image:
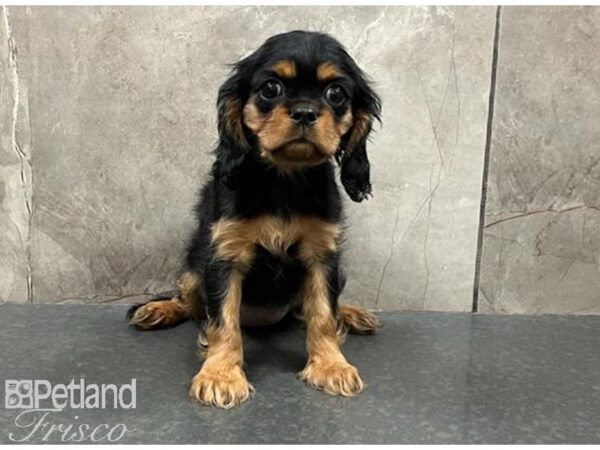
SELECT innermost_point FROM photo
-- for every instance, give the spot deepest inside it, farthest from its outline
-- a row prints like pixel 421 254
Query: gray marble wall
pixel 107 121
pixel 541 251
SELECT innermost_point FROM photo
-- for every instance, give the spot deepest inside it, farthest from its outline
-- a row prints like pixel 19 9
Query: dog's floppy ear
pixel 233 142
pixel 353 160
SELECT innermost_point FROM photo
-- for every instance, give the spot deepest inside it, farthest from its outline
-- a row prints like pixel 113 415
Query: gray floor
pixel 431 378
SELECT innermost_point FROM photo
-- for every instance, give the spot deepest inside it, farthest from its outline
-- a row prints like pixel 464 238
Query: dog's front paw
pixel 222 387
pixel 335 378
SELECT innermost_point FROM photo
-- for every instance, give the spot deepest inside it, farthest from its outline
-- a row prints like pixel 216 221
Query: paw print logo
pixel 18 394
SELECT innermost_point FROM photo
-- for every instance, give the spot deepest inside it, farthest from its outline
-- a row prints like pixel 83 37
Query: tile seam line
pixel 486 159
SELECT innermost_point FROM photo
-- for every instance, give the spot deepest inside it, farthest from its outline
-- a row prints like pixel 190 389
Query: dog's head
pixel 297 101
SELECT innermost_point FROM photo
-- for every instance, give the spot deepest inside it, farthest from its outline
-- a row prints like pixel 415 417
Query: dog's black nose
pixel 303 115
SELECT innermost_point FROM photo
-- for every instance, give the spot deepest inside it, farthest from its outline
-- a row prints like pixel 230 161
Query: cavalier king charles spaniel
pixel 270 220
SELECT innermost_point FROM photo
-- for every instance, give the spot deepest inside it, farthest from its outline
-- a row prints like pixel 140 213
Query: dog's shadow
pixel 279 347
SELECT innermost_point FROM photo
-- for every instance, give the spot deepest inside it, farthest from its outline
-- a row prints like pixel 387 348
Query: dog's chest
pixel 310 238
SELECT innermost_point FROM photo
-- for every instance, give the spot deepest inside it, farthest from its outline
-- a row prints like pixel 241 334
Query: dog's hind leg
pixel 355 320
pixel 165 312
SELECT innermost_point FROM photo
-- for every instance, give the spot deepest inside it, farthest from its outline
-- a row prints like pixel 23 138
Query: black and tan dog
pixel 270 216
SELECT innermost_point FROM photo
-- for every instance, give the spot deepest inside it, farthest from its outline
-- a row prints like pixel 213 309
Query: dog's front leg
pixel 221 381
pixel 327 368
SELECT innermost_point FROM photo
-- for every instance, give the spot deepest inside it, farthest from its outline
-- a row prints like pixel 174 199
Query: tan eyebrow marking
pixel 327 71
pixel 285 68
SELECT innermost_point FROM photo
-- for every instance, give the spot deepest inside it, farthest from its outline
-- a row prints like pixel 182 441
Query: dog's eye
pixel 335 95
pixel 271 89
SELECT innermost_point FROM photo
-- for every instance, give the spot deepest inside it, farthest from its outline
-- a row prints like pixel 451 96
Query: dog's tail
pixel 355 320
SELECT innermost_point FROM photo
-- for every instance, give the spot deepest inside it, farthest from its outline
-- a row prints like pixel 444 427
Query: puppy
pixel 270 215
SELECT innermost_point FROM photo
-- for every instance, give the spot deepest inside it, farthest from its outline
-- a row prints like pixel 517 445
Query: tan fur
pixel 362 126
pixel 170 312
pixel 294 156
pixel 233 116
pixel 327 133
pixel 232 245
pixel 327 71
pixel 221 380
pixel 280 139
pixel 345 123
pixel 252 116
pixel 277 130
pixel 285 68
pixel 356 320
pixel 235 239
pixel 160 314
pixel 327 368
pixel 189 285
